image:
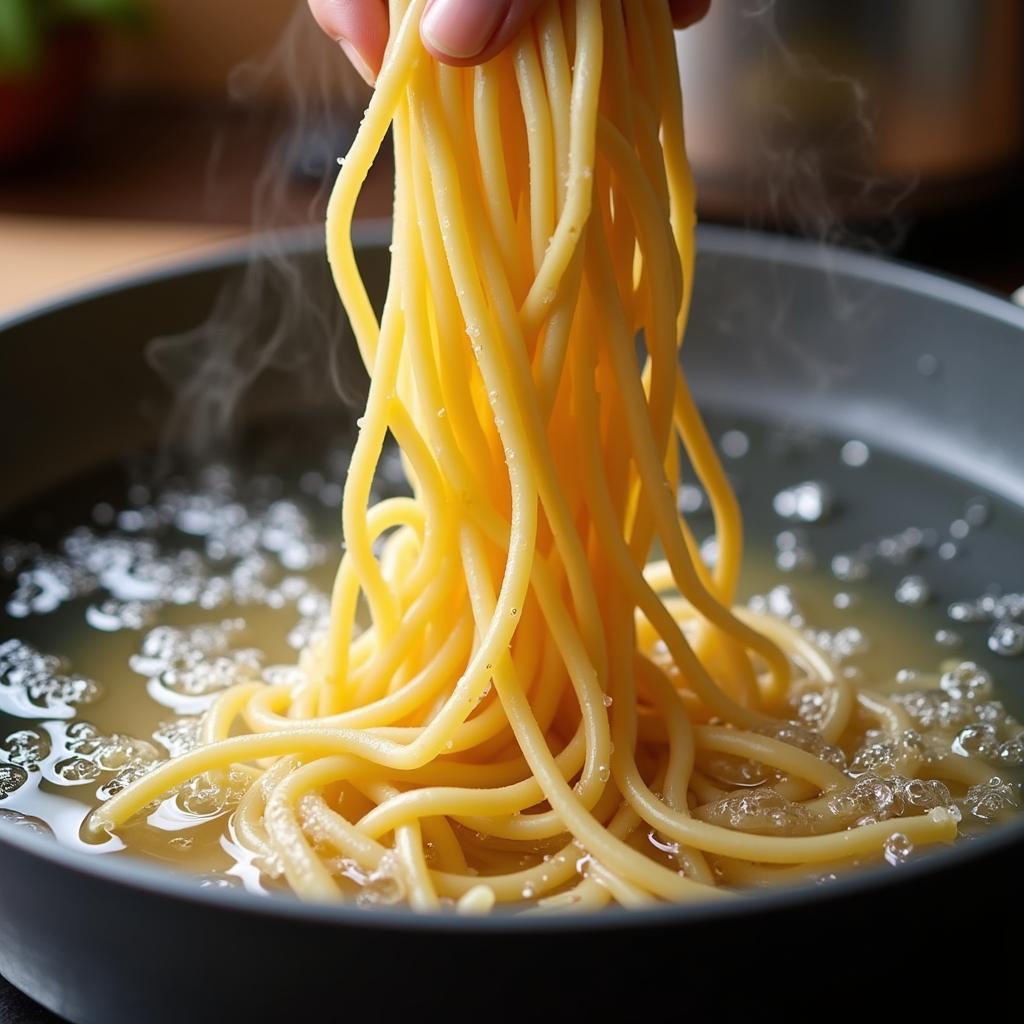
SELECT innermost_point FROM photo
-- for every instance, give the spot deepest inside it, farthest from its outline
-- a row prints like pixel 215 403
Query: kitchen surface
pixel 196 123
pixel 207 122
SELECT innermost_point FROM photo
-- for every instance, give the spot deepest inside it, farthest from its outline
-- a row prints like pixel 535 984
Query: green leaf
pixel 20 35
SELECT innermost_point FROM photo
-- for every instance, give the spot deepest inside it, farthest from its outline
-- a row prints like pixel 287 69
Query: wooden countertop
pixel 135 184
pixel 42 257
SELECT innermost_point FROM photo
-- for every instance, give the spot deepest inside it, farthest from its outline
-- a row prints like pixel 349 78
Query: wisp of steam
pixel 273 314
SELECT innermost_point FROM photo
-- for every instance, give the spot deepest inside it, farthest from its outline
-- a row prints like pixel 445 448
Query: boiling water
pixel 128 605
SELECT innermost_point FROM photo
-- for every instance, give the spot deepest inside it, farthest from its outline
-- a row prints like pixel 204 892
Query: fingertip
pixel 359 27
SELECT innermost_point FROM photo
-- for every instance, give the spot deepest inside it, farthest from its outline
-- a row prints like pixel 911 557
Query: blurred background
pixel 132 131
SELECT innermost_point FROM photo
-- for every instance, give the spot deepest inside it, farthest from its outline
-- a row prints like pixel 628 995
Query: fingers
pixel 686 12
pixel 459 32
pixel 359 27
pixel 463 32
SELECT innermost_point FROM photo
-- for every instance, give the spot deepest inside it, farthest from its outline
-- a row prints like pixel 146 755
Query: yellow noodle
pixel 519 722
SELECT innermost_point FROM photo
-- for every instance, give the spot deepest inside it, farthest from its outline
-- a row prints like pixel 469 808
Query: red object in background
pixel 35 106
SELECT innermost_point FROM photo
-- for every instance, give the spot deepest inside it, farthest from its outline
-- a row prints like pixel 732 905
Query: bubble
pixel 843 600
pixel 26 823
pixel 26 747
pixel 75 771
pixel 709 551
pixel 843 644
pixel 807 502
pixel 47 583
pixel 780 602
pixel 810 707
pixel 967 681
pixel 734 444
pixel 797 735
pixel 178 736
pixel 959 528
pixel 131 772
pixel 947 638
pixel 925 794
pixel 977 740
pixel 198 660
pixel 927 364
pixel 31 681
pixel 935 710
pixel 913 591
pixel 217 882
pixel 792 554
pixel 691 500
pixel 964 611
pixel 869 797
pixel 875 756
pixel 1011 752
pixel 213 793
pixel 762 811
pixel 988 800
pixel 948 551
pixel 12 778
pixel 849 568
pixel 113 615
pixel 118 751
pixel 855 453
pixel 1007 639
pixel 384 886
pixel 978 511
pixel 897 849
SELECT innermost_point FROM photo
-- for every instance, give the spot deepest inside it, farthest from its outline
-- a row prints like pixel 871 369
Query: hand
pixel 457 32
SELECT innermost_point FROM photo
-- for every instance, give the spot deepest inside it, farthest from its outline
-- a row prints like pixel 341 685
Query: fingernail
pixel 462 29
pixel 357 61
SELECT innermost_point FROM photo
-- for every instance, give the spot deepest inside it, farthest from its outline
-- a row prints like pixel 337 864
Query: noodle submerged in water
pixel 535 712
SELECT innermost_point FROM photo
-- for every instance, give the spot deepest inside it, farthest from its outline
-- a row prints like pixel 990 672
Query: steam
pixel 799 137
pixel 812 173
pixel 276 313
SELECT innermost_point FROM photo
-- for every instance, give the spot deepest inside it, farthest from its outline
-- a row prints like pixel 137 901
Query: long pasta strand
pixel 535 712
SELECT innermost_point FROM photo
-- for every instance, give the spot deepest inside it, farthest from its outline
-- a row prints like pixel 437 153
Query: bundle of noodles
pixel 534 713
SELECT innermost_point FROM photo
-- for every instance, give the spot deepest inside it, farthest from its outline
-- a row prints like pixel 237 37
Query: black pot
pixel 782 331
